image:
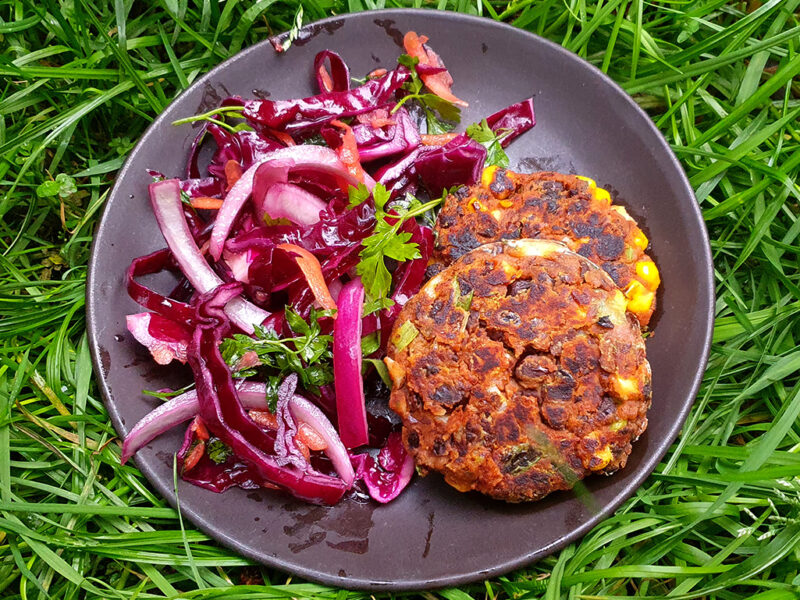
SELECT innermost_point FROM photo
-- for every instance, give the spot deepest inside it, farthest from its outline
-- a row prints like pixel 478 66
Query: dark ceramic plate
pixel 431 536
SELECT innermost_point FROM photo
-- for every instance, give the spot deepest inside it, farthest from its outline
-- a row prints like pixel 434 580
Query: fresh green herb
pixel 387 241
pixel 168 394
pixel 405 335
pixel 380 368
pixel 357 195
pixel 218 451
pixel 377 305
pixel 370 343
pixel 308 354
pixel 483 134
pixel 211 117
pixel 440 115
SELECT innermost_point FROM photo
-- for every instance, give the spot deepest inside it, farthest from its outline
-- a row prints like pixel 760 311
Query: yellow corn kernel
pixel 642 303
pixel 626 387
pixel 487 177
pixel 506 203
pixel 601 458
pixel 475 205
pixel 640 239
pixel 591 182
pixel 635 289
pixel 620 210
pixel 648 273
pixel 602 195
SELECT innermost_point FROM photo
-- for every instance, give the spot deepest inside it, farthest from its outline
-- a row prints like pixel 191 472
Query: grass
pixel 79 82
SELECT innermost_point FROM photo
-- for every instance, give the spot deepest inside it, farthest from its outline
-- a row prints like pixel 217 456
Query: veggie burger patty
pixel 517 371
pixel 567 208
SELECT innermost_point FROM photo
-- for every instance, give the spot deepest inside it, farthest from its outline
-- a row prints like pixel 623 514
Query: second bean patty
pixel 553 206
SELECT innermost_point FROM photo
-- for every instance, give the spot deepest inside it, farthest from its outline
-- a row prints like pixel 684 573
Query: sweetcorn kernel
pixel 640 239
pixel 590 181
pixel 488 176
pixel 475 205
pixel 506 203
pixel 635 289
pixel 641 303
pixel 622 212
pixel 648 273
pixel 601 458
pixel 602 195
pixel 625 387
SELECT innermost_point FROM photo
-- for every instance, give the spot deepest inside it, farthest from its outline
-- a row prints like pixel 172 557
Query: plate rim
pixel 649 463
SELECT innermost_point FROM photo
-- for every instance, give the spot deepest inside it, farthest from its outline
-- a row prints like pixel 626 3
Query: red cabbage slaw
pixel 273 311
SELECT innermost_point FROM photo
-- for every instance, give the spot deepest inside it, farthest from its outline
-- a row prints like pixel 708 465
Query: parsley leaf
pixel 218 451
pixel 357 195
pixel 308 354
pixel 492 141
pixel 387 241
pixel 440 115
pixel 377 305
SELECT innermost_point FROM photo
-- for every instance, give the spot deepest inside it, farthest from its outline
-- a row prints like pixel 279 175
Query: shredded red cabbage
pixel 335 79
pixel 387 476
pixel 459 162
pixel 225 417
pixel 515 119
pixel 308 113
pixel 284 175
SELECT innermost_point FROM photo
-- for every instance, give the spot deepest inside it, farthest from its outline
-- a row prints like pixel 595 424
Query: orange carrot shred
pixel 302 447
pixel 206 203
pixel 309 436
pixel 264 418
pixel 438 83
pixel 380 72
pixel 312 271
pixel 194 456
pixel 348 151
pixel 327 82
pixel 200 429
pixel 283 137
pixel 437 140
pixel 233 171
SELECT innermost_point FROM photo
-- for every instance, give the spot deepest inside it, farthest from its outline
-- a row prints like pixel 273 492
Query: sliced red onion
pixel 253 397
pixel 350 408
pixel 289 201
pixel 306 157
pixel 165 339
pixel 239 264
pixel 165 197
pixel 306 412
pixel 334 287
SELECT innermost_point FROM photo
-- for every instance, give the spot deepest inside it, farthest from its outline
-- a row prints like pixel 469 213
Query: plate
pixel 431 536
